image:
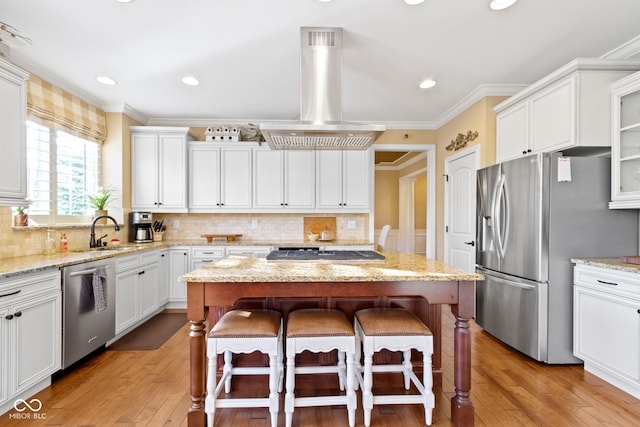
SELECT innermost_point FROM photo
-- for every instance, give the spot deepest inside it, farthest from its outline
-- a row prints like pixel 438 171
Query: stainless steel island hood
pixel 320 125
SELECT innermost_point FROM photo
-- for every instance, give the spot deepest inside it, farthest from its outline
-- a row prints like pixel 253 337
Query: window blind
pixel 51 106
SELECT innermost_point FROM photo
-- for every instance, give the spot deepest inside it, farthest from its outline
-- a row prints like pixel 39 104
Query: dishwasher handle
pixel 82 272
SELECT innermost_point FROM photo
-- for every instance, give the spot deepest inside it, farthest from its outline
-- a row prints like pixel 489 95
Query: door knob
pixel 471 243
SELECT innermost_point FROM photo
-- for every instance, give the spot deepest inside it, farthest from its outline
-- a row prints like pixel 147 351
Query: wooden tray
pixel 229 237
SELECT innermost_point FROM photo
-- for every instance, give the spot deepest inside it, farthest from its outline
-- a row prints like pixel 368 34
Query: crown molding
pixel 126 110
pixel 626 50
pixel 480 92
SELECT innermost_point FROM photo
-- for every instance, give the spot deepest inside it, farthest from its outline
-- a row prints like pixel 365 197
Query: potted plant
pixel 21 219
pixel 99 201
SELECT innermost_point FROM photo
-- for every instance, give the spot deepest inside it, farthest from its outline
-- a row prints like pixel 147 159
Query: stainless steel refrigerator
pixel 533 215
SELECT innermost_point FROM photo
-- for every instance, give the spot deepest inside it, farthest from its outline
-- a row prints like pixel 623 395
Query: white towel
pixel 99 289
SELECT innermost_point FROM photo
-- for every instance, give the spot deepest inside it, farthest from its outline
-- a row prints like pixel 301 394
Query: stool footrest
pixel 320 401
pixel 316 369
pixel 253 402
pixel 398 399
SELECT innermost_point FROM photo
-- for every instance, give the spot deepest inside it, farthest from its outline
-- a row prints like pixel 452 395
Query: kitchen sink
pixel 111 249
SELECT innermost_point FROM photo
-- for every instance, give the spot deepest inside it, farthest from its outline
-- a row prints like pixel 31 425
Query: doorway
pixel 405 234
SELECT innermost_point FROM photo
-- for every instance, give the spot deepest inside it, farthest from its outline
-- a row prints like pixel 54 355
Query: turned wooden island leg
pixel 196 313
pixel 462 411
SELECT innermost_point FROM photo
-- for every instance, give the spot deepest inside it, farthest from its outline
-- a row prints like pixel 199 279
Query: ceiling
pixel 246 53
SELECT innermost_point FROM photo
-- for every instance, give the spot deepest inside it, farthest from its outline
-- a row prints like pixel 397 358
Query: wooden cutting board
pixel 317 224
pixel 229 237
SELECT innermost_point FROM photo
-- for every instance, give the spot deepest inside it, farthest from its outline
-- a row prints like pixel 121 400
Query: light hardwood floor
pixel 151 388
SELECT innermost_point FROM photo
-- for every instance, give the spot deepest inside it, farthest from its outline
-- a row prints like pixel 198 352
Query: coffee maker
pixel 140 227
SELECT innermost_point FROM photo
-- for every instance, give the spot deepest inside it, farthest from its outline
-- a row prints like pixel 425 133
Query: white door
pixel 460 209
pixel 235 178
pixel 172 166
pixel 204 178
pixel 267 178
pixel 300 179
pixel 144 172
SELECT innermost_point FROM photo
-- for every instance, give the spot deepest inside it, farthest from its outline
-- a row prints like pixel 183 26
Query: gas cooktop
pixel 305 254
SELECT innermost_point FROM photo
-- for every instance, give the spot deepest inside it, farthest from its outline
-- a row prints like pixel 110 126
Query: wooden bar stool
pixel 394 329
pixel 245 331
pixel 320 331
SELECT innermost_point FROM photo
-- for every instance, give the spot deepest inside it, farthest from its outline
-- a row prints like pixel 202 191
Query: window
pixel 61 170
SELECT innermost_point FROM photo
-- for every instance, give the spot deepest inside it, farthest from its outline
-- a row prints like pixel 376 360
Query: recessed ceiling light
pixel 428 83
pixel 124 1
pixel 191 81
pixel 413 2
pixel 324 1
pixel 106 80
pixel 501 4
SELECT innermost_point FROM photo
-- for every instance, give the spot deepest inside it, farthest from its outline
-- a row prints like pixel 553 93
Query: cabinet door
pixel 126 300
pixel 178 265
pixel 512 128
pixel 172 165
pixel 144 171
pixel 299 179
pixel 38 337
pixel 355 172
pixel 329 179
pixel 163 277
pixel 204 178
pixel 4 355
pixel 148 288
pixel 13 173
pixel 607 331
pixel 235 179
pixel 268 178
pixel 553 117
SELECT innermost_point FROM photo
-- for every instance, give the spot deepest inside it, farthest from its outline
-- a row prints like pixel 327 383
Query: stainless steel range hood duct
pixel 320 125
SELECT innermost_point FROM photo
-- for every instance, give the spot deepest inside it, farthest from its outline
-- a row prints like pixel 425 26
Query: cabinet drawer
pixel 149 257
pixel 127 262
pixel 257 251
pixel 207 252
pixel 607 280
pixel 29 284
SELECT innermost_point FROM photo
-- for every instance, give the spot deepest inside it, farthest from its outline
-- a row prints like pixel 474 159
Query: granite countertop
pixel 611 263
pixel 396 267
pixel 32 263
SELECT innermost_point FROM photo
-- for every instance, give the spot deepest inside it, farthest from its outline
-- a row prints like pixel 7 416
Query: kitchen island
pixel 216 288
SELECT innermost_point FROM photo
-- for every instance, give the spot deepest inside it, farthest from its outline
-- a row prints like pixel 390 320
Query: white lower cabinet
pixel 137 283
pixel 30 334
pixel 178 267
pixel 163 277
pixel 607 325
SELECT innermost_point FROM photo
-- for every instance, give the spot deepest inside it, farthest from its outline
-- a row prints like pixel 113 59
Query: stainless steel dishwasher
pixel 89 312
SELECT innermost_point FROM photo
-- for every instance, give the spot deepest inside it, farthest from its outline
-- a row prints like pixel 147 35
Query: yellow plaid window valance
pixel 51 106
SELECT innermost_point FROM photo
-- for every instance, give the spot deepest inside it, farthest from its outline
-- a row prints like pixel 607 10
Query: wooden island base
pixel 403 280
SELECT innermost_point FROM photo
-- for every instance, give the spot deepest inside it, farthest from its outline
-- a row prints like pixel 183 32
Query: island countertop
pixel 396 267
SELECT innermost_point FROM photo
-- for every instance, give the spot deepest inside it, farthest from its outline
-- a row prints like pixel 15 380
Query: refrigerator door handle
pixel 496 277
pixel 501 222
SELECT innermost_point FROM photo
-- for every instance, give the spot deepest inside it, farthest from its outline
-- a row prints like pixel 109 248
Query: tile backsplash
pixel 268 227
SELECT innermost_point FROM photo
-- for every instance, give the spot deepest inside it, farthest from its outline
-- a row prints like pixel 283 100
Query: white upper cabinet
pixel 568 108
pixel 625 150
pixel 219 177
pixel 283 179
pixel 159 169
pixel 343 180
pixel 13 111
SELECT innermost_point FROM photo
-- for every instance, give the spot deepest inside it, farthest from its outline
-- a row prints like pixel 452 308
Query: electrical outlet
pixel 254 224
pixel 351 225
pixel 176 223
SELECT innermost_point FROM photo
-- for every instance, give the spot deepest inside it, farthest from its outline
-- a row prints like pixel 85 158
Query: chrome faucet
pixel 92 242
